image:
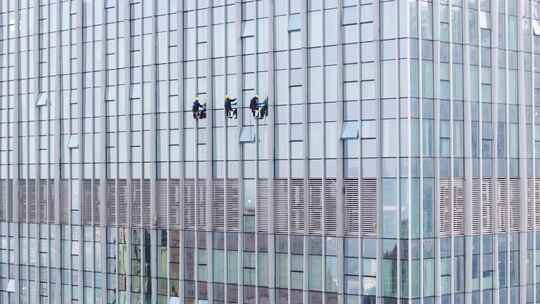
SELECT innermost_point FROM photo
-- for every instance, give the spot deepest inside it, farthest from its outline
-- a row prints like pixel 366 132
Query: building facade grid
pixel 398 163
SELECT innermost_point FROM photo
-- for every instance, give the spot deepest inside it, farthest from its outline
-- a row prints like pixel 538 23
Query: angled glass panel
pixel 295 23
pixel 73 142
pixel 10 286
pixel 248 29
pixel 536 28
pixel 42 100
pixel 247 135
pixel 349 130
pixel 484 20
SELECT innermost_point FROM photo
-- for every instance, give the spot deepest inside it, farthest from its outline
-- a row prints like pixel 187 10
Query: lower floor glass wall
pixel 88 264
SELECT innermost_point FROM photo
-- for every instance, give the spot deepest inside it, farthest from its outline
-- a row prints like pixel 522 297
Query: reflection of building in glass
pixel 397 162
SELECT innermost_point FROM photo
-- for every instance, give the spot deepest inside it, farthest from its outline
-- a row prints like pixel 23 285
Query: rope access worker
pixel 202 113
pixel 263 109
pixel 253 105
pixel 198 109
pixel 230 112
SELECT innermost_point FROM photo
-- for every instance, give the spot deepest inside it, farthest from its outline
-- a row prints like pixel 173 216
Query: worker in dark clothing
pixel 202 114
pixel 230 112
pixel 263 108
pixel 196 108
pixel 253 105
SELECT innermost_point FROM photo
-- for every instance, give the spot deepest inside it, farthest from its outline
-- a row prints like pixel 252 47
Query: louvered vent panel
pixel 65 202
pixel 445 208
pixel 201 204
pixel 161 201
pixel 42 201
pixel 537 200
pixel 136 204
pixel 189 204
pixel 22 200
pixel 123 197
pixel 487 205
pixel 10 194
pixel 5 186
pixel 32 202
pixel 502 205
pixel 174 203
pixel 459 207
pixel 146 203
pixel 87 202
pixel 352 206
pixel 297 213
pixel 50 203
pixel 530 204
pixel 232 215
pixel 368 205
pixel 218 204
pixel 476 206
pixel 330 207
pixel 110 196
pixel 3 200
pixel 281 208
pixel 515 206
pixel 263 206
pixel 42 196
pixel 315 209
pixel 97 201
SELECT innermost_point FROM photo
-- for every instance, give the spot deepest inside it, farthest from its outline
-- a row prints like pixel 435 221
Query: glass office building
pixel 398 163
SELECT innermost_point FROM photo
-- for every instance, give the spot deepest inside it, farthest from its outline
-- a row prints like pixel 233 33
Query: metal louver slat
pixel 161 201
pixel 146 215
pixel 65 202
pixel 111 202
pixel 136 204
pixel 174 203
pixel 218 204
pixel 530 204
pixel 87 202
pixel 537 200
pixel 330 207
pixel 122 204
pixel 476 206
pixel 263 206
pixel 22 200
pixel 42 201
pixel 281 216
pixel 3 200
pixel 368 205
pixel 51 206
pixel 315 209
pixel 233 204
pixel 189 204
pixel 297 206
pixel 201 204
pixel 487 205
pixel 515 208
pixel 32 202
pixel 445 207
pixel 352 206
pixel 96 201
pixel 502 205
pixel 458 217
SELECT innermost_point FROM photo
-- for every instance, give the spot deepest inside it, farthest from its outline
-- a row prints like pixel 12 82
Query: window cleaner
pixel 202 114
pixel 253 105
pixel 230 112
pixel 259 109
pixel 263 109
pixel 198 109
